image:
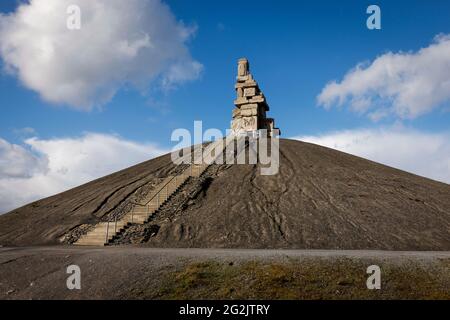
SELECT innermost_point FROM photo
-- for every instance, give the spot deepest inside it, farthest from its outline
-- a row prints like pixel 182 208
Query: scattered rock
pixel 188 196
pixel 343 283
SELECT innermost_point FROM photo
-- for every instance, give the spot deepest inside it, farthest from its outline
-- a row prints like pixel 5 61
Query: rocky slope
pixel 321 199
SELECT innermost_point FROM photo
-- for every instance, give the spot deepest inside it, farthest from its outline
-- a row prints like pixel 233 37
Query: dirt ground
pixel 321 199
pixel 129 272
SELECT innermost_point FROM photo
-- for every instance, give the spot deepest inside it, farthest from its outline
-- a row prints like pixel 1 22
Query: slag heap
pixel 249 115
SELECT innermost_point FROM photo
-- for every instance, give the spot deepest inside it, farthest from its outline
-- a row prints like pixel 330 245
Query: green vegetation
pixel 303 279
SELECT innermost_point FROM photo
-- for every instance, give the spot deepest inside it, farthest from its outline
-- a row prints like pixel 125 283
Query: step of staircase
pixel 104 232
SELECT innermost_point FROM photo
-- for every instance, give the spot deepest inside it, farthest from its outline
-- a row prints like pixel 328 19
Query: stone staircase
pixel 104 232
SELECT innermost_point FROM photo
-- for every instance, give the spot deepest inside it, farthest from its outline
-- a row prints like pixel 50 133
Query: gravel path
pixel 123 272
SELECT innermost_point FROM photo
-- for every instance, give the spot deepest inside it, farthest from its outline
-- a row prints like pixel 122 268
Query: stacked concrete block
pixel 249 115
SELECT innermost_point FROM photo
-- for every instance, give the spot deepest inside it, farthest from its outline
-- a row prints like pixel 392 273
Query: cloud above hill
pixel 120 43
pixel 404 85
pixel 43 167
pixel 17 162
pixel 422 153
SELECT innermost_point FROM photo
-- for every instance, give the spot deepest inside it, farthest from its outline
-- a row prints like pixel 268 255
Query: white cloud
pixel 46 167
pixel 17 162
pixel 181 72
pixel 425 154
pixel 26 131
pixel 120 42
pixel 406 85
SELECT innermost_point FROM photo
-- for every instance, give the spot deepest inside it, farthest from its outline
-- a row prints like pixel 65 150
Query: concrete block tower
pixel 249 114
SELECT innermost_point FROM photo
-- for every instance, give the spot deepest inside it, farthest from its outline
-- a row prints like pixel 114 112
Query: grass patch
pixel 306 279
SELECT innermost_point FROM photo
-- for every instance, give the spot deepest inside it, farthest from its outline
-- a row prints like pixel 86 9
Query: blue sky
pixel 295 49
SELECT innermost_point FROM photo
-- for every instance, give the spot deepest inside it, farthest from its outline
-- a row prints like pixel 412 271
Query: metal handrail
pixel 107 231
pixel 157 194
pixel 184 176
